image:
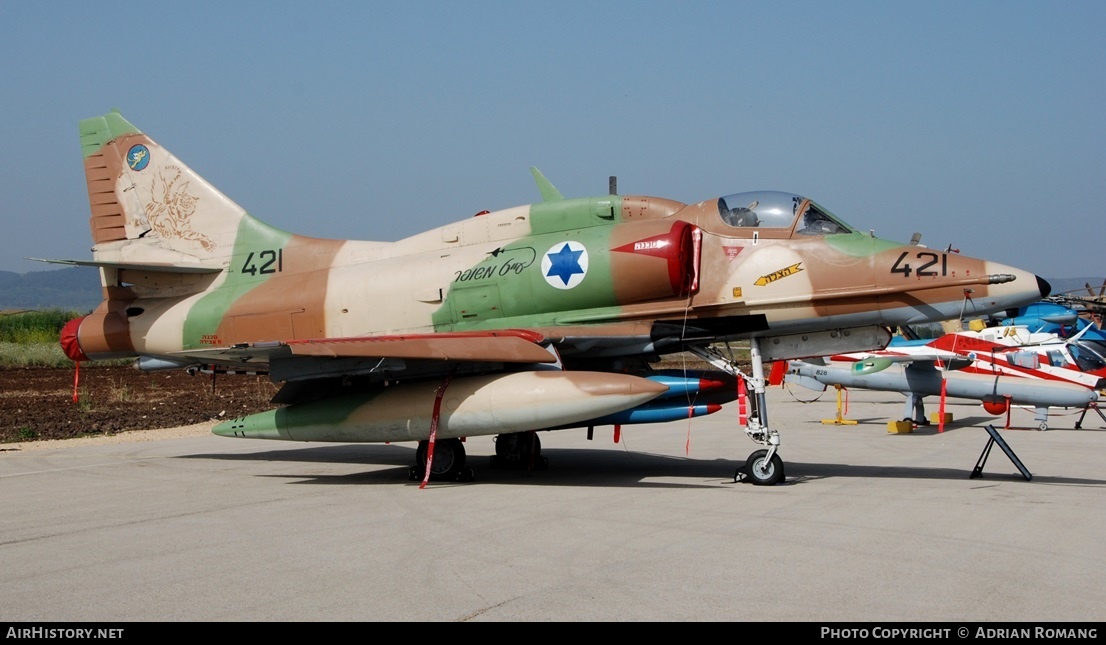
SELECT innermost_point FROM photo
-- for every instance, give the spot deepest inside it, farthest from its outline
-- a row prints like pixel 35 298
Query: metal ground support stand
pixel 763 467
pixel 997 438
pixel 1079 423
pixel 840 419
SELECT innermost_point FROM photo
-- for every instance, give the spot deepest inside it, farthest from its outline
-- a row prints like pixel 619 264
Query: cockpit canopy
pixel 1089 355
pixel 777 210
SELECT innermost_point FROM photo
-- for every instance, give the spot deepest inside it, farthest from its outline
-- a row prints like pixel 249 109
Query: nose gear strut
pixel 764 467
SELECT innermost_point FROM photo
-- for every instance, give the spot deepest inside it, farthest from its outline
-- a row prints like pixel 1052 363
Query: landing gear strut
pixel 763 467
pixel 1093 406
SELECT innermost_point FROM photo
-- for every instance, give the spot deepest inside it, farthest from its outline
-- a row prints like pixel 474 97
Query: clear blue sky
pixel 977 124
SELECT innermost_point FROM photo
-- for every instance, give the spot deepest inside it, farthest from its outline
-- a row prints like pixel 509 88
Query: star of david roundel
pixel 565 264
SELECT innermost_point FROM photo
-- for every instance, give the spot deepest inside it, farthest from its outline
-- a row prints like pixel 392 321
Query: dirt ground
pixel 37 403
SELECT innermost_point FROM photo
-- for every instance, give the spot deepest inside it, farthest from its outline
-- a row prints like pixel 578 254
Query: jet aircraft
pixel 535 317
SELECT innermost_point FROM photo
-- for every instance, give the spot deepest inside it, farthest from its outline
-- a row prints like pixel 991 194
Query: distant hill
pixel 1075 286
pixel 78 288
pixel 74 288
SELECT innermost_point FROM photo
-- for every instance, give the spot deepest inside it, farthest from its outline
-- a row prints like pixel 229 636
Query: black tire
pixel 506 445
pixel 449 459
pixel 531 448
pixel 762 472
pixel 518 450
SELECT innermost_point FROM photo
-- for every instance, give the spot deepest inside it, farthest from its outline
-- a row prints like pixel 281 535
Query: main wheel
pixel 762 471
pixel 449 459
pixel 519 450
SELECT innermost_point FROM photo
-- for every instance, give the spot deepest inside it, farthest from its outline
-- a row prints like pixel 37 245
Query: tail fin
pixel 149 209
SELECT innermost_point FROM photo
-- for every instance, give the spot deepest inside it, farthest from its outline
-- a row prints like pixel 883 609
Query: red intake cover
pixel 69 342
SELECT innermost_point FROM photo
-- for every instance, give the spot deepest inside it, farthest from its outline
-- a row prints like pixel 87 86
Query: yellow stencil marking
pixel 776 275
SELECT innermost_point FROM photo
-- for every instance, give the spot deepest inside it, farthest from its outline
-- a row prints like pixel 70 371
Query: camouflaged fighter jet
pixel 538 317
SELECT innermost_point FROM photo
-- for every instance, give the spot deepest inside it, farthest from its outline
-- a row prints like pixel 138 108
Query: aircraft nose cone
pixel 1044 286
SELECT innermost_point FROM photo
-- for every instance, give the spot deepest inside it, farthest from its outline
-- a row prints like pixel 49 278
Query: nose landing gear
pixel 764 467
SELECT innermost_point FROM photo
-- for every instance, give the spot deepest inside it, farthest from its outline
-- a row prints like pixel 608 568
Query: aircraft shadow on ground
pixel 567 467
pixel 997 469
pixel 591 467
pixel 1056 422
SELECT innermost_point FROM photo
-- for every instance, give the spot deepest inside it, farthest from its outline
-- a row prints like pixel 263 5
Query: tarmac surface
pixel 868 526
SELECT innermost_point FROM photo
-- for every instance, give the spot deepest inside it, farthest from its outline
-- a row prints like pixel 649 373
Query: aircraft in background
pixel 535 317
pixel 1064 316
pixel 999 366
pixel 1089 307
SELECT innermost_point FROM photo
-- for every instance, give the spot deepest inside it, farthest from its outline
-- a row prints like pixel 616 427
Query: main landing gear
pixel 519 450
pixel 764 467
pixel 448 463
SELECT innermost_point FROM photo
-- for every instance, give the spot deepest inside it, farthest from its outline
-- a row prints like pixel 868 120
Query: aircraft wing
pixel 504 346
pixel 510 346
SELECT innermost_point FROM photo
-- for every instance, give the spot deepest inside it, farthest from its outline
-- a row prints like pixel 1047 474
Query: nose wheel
pixel 761 469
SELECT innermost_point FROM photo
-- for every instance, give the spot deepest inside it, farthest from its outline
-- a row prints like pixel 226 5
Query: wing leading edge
pixel 506 346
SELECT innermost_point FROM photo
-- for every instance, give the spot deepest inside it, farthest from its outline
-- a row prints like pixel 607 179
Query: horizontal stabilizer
pixel 151 267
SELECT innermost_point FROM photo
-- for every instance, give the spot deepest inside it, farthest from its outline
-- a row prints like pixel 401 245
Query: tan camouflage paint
pixel 170 216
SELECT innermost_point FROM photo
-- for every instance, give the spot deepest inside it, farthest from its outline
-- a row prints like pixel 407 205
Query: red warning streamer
pixel 434 429
pixel 742 414
pixel 941 421
pixel 687 437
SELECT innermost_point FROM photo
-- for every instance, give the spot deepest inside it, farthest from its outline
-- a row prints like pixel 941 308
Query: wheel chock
pixel 900 427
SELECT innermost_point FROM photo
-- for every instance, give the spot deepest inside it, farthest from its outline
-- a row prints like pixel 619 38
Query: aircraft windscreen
pixel 819 221
pixel 1088 355
pixel 772 209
